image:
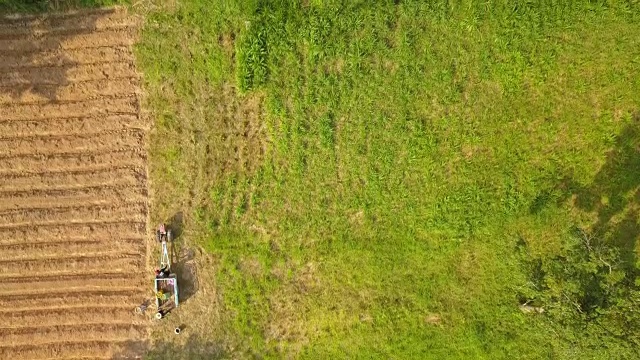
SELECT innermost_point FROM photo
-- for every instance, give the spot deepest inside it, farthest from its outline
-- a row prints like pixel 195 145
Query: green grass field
pixel 367 173
pixel 392 179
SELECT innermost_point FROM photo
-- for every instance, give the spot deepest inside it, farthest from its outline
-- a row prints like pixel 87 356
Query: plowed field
pixel 73 187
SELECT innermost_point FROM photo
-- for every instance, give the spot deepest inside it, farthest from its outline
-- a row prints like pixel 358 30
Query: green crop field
pixel 379 179
pixel 403 179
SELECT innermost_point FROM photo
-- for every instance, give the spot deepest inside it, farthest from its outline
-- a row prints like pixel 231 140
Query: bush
pixel 588 288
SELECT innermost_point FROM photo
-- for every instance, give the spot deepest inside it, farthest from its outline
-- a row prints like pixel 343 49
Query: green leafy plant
pixel 251 55
pixel 589 288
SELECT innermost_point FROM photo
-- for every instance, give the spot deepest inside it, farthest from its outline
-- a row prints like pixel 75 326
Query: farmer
pixel 162 273
pixel 161 233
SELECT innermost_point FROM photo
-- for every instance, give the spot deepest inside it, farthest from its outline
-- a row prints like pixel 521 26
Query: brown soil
pixel 42 75
pixel 63 60
pixel 72 162
pixel 63 126
pixel 93 39
pixel 78 91
pixel 72 180
pixel 73 187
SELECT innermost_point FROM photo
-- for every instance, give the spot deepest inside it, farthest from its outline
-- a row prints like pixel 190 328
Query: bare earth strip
pixel 73 187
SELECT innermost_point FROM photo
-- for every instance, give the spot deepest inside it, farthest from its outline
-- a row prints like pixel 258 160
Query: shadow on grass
pixel 176 223
pixel 187 273
pixel 614 195
pixel 182 259
pixel 193 348
pixel 591 286
pixel 615 189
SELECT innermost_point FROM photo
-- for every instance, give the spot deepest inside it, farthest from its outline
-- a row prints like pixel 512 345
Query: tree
pixel 588 293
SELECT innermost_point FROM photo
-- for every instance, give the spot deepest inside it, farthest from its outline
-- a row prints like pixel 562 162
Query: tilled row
pixel 66 232
pixel 64 248
pixel 61 334
pixel 125 105
pixel 73 213
pixel 34 30
pixel 87 195
pixel 66 126
pixel 94 39
pixel 54 316
pixel 42 182
pixel 72 143
pixel 46 284
pixel 66 282
pixel 112 261
pixel 77 91
pixel 99 297
pixel 67 275
pixel 78 21
pixel 76 348
pixel 64 60
pixel 37 76
pixel 72 162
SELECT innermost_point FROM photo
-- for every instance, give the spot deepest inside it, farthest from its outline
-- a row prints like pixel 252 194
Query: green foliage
pixel 252 58
pixel 588 288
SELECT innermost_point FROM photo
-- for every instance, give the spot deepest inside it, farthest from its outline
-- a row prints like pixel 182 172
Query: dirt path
pixel 73 187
